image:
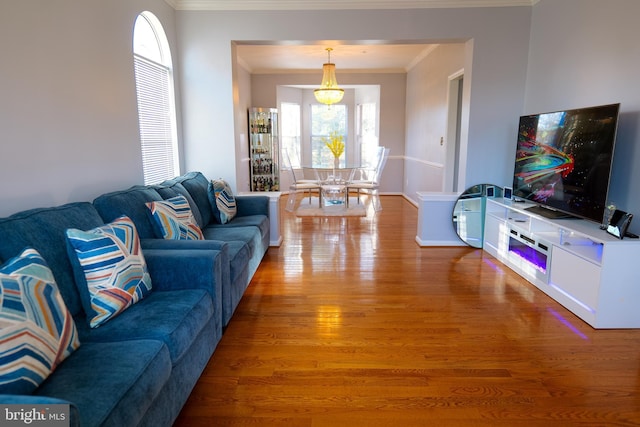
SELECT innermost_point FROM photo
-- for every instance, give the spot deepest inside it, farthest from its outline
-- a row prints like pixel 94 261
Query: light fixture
pixel 329 92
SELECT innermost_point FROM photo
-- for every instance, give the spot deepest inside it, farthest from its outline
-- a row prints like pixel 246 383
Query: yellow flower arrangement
pixel 335 143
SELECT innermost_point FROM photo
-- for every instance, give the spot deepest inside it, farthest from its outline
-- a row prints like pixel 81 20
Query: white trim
pixel 437 196
pixel 410 200
pixel 457 74
pixel 427 243
pixel 243 64
pixel 424 162
pixel 426 52
pixel 339 4
pixel 452 146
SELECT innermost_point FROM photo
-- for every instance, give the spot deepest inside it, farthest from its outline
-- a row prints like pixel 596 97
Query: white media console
pixel 591 273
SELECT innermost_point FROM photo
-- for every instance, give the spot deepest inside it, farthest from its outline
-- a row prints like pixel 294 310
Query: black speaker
pixel 619 223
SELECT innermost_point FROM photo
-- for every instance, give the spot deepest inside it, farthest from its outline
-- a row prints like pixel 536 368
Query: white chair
pixel 334 176
pixel 369 180
pixel 298 185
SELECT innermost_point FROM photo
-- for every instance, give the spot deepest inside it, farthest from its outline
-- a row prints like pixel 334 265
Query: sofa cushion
pixel 250 235
pixel 37 331
pixel 174 317
pixel 223 203
pixel 174 219
pixel 111 384
pixel 198 187
pixel 130 202
pixel 260 221
pixel 111 273
pixel 44 230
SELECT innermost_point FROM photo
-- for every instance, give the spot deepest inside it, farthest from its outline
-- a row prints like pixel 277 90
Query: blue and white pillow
pixel 37 331
pixel 222 200
pixel 113 266
pixel 174 219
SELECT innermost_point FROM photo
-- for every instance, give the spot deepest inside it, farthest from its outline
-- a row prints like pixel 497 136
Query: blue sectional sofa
pixel 138 368
pixel 244 239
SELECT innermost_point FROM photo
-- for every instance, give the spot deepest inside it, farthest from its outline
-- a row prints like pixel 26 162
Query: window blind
pixel 153 83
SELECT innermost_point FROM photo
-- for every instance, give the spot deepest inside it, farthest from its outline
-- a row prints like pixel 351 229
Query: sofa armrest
pixel 252 205
pixel 175 269
pixel 28 402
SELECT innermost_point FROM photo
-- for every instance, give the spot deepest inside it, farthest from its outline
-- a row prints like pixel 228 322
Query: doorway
pixel 454 119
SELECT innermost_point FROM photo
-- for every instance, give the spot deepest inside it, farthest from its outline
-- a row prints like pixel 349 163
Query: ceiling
pixel 389 58
pixel 296 56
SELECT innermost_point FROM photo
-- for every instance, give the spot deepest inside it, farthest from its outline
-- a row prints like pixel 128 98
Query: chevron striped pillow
pixel 222 201
pixel 114 269
pixel 175 219
pixel 36 329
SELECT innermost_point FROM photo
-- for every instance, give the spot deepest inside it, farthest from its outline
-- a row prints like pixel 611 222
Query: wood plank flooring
pixel 351 323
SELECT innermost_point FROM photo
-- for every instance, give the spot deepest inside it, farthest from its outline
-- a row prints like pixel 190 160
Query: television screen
pixel 563 161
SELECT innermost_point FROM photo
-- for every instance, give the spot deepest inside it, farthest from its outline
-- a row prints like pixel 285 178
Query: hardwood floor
pixel 351 323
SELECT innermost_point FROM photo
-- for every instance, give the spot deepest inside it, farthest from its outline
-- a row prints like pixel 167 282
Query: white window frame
pixel 156 106
pixel 366 126
pixel 290 133
pixel 323 157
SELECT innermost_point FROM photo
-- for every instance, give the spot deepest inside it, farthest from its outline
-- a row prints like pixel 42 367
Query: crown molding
pixel 422 55
pixel 228 5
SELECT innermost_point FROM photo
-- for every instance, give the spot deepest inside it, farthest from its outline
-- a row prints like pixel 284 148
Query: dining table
pixel 333 183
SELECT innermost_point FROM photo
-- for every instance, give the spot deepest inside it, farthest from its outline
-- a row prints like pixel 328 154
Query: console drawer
pixel 575 276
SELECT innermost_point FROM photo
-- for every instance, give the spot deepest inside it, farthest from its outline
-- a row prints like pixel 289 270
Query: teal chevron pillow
pixel 222 201
pixel 37 331
pixel 113 266
pixel 175 220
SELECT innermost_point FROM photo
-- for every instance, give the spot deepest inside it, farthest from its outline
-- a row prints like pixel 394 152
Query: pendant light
pixel 329 92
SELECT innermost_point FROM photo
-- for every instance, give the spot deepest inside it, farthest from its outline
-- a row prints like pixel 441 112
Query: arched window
pixel 156 102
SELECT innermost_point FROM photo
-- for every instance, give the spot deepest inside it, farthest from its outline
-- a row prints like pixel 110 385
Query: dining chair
pixel 333 176
pixel 298 185
pixel 369 180
pixel 334 181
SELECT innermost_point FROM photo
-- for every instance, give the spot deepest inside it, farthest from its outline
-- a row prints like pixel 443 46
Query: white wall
pixel 496 47
pixel 67 97
pixel 587 52
pixel 426 109
pixel 68 112
pixel 242 95
pixel 68 109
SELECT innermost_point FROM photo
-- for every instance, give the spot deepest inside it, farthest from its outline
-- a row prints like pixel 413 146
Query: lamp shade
pixel 329 92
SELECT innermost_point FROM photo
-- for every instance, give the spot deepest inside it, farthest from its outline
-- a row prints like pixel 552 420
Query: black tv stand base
pixel 549 213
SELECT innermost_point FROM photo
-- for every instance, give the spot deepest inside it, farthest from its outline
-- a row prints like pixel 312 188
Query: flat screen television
pixel 563 161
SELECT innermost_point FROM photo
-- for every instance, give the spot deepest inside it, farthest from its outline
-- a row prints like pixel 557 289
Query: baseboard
pixel 425 243
pixel 276 243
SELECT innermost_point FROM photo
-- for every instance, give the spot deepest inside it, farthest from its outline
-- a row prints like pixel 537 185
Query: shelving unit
pixel 263 148
pixel 591 273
